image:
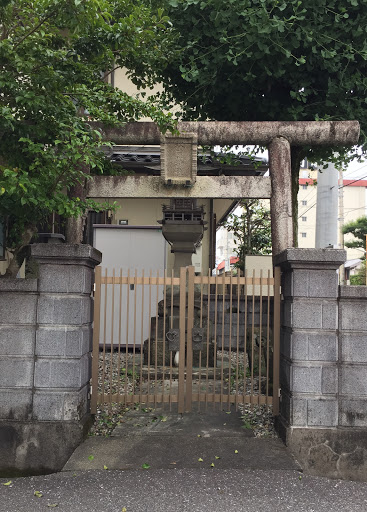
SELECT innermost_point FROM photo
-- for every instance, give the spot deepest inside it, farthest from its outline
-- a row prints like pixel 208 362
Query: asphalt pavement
pixel 166 462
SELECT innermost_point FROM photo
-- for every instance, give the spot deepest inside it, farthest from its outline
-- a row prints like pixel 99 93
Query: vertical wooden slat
pixel 223 320
pixel 96 333
pixel 182 324
pixel 207 349
pixel 134 335
pixel 253 334
pixel 155 388
pixel 245 348
pixel 164 333
pixel 127 334
pixel 268 343
pixel 119 346
pixel 238 338
pixel 276 342
pixel 230 339
pixel 190 324
pixel 170 353
pixel 111 338
pixel 200 352
pixel 215 337
pixel 104 340
pixel 260 326
pixel 142 338
pixel 149 335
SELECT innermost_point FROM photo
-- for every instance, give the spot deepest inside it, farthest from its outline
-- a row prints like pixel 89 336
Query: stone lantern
pixel 183 227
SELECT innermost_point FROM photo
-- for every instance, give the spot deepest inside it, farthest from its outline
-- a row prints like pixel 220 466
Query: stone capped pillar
pixel 309 337
pixel 45 356
pixel 64 331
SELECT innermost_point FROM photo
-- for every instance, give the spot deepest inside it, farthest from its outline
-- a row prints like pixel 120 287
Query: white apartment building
pixel 225 245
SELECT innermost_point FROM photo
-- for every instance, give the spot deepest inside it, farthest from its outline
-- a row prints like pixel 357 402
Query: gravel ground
pixel 108 416
pixel 119 377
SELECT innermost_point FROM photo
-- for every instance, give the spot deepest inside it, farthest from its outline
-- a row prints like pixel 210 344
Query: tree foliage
pixel 54 59
pixel 251 229
pixel 272 60
pixel 359 278
pixel 357 228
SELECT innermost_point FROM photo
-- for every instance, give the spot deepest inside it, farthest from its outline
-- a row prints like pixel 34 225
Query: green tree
pixel 53 60
pixel 357 228
pixel 252 230
pixel 359 278
pixel 271 60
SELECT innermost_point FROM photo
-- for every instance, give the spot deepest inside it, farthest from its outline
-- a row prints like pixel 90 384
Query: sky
pixel 356 170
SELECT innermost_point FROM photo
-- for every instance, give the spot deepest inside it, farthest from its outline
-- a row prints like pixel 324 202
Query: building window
pixel 304 203
pixel 304 219
pixel 304 187
pixel 303 235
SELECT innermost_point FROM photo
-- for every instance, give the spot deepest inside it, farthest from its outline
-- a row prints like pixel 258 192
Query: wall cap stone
pixel 310 258
pixel 66 254
pixel 353 292
pixel 18 285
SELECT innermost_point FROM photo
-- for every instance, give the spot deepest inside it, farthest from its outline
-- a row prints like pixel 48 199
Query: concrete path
pixel 195 441
pixel 249 474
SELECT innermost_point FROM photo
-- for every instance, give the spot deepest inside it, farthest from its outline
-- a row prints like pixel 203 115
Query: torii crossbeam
pixel 278 136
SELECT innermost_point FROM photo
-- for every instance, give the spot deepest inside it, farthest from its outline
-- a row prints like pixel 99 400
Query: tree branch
pixel 35 28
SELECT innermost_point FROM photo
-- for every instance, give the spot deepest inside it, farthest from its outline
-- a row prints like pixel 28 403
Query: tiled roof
pixel 232 261
pixel 346 183
pixel 147 160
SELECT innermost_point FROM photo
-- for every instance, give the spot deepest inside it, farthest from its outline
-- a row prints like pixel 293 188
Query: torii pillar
pixel 281 208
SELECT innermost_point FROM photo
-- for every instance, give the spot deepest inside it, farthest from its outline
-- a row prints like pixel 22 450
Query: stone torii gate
pixel 277 136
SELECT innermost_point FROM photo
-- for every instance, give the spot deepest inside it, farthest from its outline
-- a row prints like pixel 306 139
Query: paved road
pixel 249 474
pixel 184 490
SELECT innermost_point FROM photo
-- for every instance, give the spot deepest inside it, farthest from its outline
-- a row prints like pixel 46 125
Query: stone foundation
pixel 332 452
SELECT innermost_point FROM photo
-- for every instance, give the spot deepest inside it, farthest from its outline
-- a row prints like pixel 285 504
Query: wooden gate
pixel 203 341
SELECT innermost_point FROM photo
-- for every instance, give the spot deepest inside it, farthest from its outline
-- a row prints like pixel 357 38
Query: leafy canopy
pixel 251 229
pixel 53 60
pixel 270 60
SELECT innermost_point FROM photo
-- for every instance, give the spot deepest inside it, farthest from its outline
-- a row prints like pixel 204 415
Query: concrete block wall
pixel 323 365
pixel 353 356
pixel 45 359
pixel 18 314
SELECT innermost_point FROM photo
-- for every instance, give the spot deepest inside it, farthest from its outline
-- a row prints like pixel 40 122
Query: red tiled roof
pixel 232 261
pixel 354 183
pixel 346 183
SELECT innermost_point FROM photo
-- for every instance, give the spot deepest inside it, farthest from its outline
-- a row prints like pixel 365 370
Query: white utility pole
pixel 327 208
pixel 341 224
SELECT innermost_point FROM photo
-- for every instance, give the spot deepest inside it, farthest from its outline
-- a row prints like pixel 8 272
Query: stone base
pixel 158 346
pixel 36 448
pixel 329 452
